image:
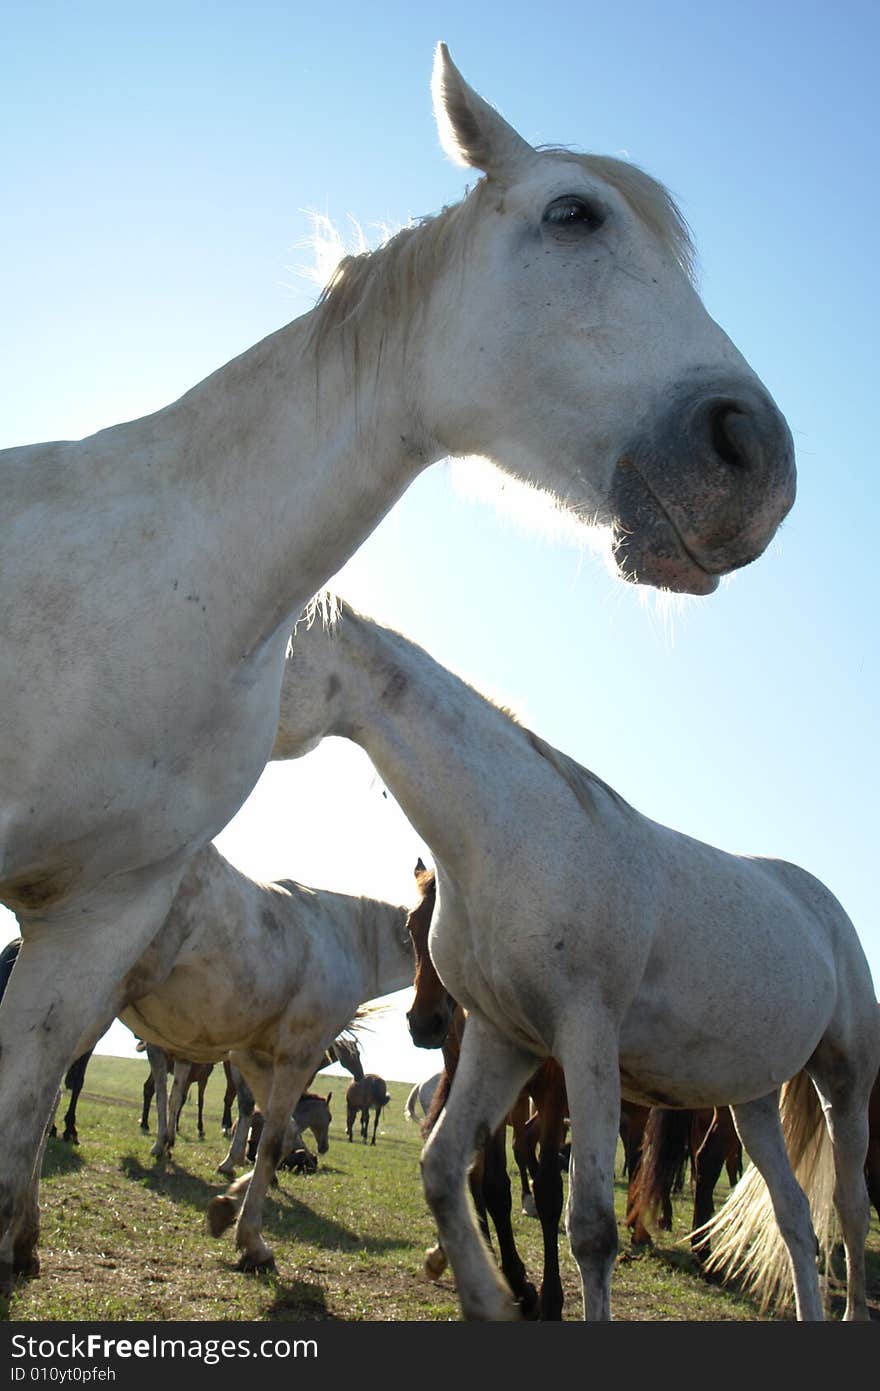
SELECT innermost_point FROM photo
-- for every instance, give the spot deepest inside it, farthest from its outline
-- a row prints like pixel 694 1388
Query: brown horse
pixel 708 1138
pixel 369 1094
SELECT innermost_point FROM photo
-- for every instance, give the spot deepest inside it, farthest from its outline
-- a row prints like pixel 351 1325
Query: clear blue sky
pixel 157 166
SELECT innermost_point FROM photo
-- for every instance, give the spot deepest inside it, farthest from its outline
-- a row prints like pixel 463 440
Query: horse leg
pixel 548 1200
pixel 228 1098
pixel 590 1062
pixel 159 1064
pixel 253 1086
pixel 236 1153
pixel 519 1119
pixel 709 1160
pixel 149 1091
pixel 760 1130
pixel 491 1072
pixel 64 992
pixel 872 1160
pixel 376 1124
pixel 845 1104
pixel 203 1082
pixel 288 1080
pixel 496 1196
pixel 476 1174
pixel 180 1086
pixel 77 1083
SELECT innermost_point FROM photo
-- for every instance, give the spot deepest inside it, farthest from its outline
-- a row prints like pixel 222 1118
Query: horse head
pixel 432 1006
pixel 566 342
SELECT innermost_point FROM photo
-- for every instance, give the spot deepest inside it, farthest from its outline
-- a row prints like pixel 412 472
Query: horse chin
pixel 676 573
pixel 428 1038
pixel 648 547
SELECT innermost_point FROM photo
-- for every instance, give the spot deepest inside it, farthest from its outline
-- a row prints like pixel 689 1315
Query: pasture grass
pixel 123 1239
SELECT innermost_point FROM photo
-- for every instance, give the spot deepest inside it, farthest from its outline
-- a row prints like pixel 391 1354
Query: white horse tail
pixel 745 1240
pixel 409 1110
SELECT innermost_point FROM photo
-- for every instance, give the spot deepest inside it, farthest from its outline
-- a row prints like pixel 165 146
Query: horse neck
pixel 291 453
pixel 446 754
pixel 348 1057
pixel 387 953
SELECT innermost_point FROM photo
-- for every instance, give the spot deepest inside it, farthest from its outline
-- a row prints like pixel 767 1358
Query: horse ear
pixel 471 131
pixel 420 868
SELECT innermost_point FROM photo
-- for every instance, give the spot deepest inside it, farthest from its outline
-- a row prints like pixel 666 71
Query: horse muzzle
pixel 428 1030
pixel 702 491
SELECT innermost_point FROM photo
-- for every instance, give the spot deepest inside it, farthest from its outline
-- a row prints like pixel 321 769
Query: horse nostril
pixel 732 433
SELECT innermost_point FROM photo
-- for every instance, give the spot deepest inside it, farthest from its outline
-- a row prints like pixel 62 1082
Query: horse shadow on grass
pixel 60 1157
pixel 285 1216
pixel 682 1262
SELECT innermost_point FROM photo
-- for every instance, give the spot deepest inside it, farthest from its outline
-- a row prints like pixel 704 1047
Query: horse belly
pixel 195 1019
pixel 723 1055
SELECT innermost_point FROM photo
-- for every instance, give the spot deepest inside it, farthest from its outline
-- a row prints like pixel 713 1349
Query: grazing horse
pixel 708 1138
pixel 345 1051
pixel 249 1126
pixel 75 1076
pixel 267 975
pixel 548 322
pixel 574 952
pixel 369 1094
pixel 311 1112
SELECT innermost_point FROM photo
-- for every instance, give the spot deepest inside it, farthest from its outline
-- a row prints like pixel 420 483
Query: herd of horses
pixel 188 650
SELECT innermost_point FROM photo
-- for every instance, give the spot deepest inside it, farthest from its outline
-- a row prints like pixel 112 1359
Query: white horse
pixel 151 573
pixel 571 926
pixel 422 1095
pixel 266 975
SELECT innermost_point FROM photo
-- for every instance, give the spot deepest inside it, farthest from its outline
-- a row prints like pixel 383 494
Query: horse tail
pixel 76 1073
pixel 409 1110
pixel 663 1154
pixel 438 1101
pixel 744 1237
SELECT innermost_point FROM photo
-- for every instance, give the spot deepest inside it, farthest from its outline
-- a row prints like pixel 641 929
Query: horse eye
pixel 571 213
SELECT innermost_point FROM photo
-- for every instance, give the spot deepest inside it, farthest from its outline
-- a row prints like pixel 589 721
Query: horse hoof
pixel 220 1214
pixel 435 1263
pixel 251 1265
pixel 26 1263
pixel 528 1206
pixel 227 1170
pixel 528 1301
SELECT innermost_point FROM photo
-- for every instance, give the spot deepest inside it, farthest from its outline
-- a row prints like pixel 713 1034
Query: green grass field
pixel 123 1240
